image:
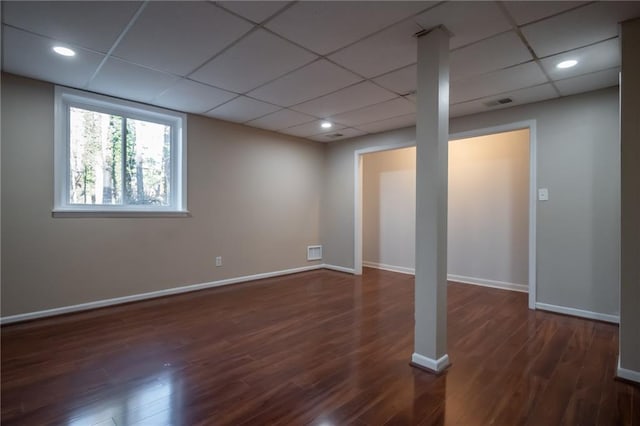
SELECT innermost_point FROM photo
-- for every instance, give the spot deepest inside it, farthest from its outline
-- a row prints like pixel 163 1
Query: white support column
pixel 432 138
pixel 629 361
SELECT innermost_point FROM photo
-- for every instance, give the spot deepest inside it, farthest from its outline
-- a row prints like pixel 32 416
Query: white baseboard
pixel 631 375
pixel 458 278
pixel 339 268
pixel 435 365
pixel 151 295
pixel 488 283
pixel 578 313
pixel 392 268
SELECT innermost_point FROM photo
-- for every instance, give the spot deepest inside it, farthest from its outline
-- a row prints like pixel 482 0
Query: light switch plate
pixel 543 194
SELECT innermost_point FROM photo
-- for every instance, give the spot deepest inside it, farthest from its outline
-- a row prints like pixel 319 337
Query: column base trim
pixel 429 364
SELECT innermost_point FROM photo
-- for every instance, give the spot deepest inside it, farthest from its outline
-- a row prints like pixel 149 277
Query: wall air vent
pixel 314 252
pixel 498 102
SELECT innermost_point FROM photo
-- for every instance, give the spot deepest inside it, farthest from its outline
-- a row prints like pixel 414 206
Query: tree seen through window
pixel 103 148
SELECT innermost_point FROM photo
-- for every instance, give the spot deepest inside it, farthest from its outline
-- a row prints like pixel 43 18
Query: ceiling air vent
pixel 334 135
pixel 499 102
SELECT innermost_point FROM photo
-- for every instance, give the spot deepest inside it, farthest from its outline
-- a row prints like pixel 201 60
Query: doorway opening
pixel 389 210
pixel 492 208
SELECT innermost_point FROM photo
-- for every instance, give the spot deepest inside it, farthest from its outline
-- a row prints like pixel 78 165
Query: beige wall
pixel 630 140
pixel 245 207
pixel 488 226
pixel 578 234
pixel 389 208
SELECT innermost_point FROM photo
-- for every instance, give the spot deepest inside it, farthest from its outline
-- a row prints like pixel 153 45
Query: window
pixel 117 157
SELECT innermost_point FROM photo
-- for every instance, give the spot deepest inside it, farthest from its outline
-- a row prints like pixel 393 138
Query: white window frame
pixel 65 98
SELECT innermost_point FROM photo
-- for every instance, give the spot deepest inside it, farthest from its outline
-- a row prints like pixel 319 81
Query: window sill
pixel 116 214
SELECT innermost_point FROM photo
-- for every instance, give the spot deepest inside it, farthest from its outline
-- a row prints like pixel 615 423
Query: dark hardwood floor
pixel 321 348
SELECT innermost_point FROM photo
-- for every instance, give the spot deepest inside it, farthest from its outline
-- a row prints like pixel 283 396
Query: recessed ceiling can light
pixel 326 125
pixel 567 64
pixel 64 51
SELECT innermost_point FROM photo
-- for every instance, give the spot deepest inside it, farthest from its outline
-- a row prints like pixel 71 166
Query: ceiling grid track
pixel 118 40
pixel 524 40
pixel 293 34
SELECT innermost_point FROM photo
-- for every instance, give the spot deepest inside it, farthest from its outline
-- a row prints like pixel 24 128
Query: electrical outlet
pixel 219 261
pixel 543 194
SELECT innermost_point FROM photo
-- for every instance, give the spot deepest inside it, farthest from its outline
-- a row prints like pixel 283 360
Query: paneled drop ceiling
pixel 287 66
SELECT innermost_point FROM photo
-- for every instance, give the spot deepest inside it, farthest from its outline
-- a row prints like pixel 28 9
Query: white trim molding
pixel 488 283
pixel 523 288
pixel 578 313
pixel 67 98
pixel 392 268
pixel 625 374
pixel 160 293
pixel 339 268
pixel 435 365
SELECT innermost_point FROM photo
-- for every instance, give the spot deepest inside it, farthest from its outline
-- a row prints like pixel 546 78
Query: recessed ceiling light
pixel 326 125
pixel 567 64
pixel 64 51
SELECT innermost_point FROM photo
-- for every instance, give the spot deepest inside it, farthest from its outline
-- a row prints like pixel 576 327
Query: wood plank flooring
pixel 321 348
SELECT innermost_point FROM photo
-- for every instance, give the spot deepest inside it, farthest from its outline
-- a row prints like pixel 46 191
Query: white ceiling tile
pixel 592 58
pixel 506 80
pixel 26 54
pixel 327 26
pixel 381 111
pixel 389 124
pixel 397 45
pixel 256 11
pixel 519 97
pixel 281 120
pixel 242 109
pixel 254 60
pixel 469 21
pixel 528 11
pixel 401 81
pixel 353 97
pixel 588 82
pixel 468 108
pixel 177 37
pixel 580 27
pixel 91 24
pixel 129 81
pixel 338 135
pixel 313 80
pixel 491 54
pixel 310 129
pixel 190 96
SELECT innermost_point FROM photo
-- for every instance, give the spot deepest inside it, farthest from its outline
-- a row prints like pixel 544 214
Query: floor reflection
pixel 152 403
pixel 429 401
pixel 319 348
